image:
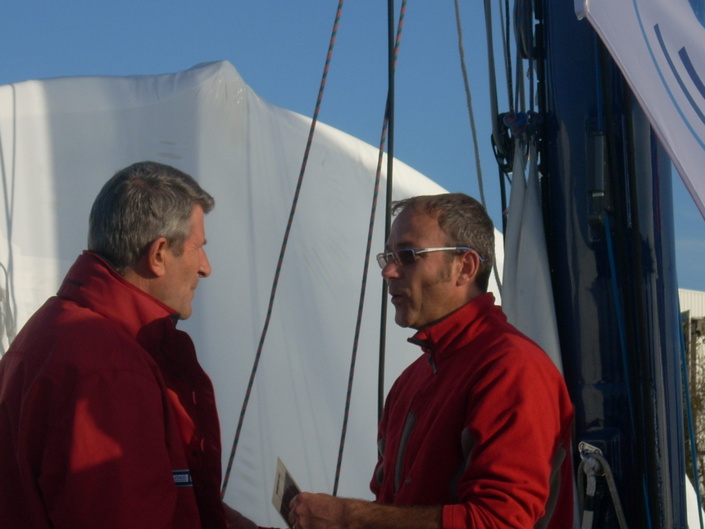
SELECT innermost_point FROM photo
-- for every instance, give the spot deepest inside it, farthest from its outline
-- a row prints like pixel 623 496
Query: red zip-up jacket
pixel 107 421
pixel 479 424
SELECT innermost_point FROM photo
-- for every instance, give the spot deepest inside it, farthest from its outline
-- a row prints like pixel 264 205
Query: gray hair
pixel 140 204
pixel 463 220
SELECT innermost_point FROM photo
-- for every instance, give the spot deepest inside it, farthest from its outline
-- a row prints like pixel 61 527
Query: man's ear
pixel 470 266
pixel 154 259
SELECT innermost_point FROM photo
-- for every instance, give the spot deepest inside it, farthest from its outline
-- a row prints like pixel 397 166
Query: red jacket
pixel 479 424
pixel 106 418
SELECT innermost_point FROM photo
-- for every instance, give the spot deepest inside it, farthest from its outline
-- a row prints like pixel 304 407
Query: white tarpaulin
pixel 660 47
pixel 61 139
pixel 527 276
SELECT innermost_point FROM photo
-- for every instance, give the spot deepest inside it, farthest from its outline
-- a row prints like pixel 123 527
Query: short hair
pixel 463 220
pixel 140 204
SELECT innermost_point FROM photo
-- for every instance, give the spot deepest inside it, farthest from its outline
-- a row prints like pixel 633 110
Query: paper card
pixel 285 488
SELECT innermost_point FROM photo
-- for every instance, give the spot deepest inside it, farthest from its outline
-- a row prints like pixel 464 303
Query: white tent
pixel 61 139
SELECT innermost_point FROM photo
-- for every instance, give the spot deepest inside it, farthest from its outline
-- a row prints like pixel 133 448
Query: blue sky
pixel 279 48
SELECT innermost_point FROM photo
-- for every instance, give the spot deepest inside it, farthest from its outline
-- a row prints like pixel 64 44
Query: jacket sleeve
pixel 379 470
pixel 101 453
pixel 514 437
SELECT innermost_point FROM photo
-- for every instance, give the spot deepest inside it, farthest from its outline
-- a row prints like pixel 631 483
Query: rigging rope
pixel 8 301
pixel 494 109
pixel 387 125
pixel 593 464
pixel 471 114
pixel 282 252
pixel 602 124
pixel 392 46
pixel 504 25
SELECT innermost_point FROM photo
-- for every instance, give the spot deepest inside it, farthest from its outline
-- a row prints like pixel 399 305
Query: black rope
pixel 473 128
pixel 368 249
pixel 494 108
pixel 505 24
pixel 389 114
pixel 282 252
pixel 10 314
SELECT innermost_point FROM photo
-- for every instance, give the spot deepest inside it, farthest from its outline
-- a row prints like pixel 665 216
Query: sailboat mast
pixel 609 224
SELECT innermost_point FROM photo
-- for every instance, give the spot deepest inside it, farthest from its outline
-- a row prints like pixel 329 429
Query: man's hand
pixel 321 511
pixel 318 511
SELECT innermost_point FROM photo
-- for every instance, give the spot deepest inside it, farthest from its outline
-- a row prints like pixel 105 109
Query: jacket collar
pixel 93 283
pixel 443 338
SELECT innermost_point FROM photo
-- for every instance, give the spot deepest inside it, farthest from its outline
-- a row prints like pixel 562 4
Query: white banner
pixel 660 48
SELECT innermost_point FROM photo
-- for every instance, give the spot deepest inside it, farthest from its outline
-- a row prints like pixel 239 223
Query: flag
pixel 660 48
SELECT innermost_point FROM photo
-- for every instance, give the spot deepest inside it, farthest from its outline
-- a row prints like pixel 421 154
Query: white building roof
pixel 692 300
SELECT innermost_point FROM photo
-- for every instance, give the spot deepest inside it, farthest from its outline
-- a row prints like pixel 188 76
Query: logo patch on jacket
pixel 182 478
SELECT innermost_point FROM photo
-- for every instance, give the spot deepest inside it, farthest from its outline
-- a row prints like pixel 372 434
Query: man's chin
pixel 402 320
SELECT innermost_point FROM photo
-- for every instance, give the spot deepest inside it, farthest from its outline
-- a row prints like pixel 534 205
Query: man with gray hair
pixel 476 432
pixel 107 420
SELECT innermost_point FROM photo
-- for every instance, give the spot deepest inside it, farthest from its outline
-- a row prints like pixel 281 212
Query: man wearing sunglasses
pixel 475 433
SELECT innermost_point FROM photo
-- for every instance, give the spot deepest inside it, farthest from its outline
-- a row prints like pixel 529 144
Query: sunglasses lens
pixel 399 257
pixel 406 257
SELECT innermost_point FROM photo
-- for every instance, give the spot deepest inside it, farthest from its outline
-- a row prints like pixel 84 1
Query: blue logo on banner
pixel 699 10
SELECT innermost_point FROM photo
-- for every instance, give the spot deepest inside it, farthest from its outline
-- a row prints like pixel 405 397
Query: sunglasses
pixel 407 256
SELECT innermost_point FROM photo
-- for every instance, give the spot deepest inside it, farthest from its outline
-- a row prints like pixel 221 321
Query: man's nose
pixel 204 269
pixel 390 270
